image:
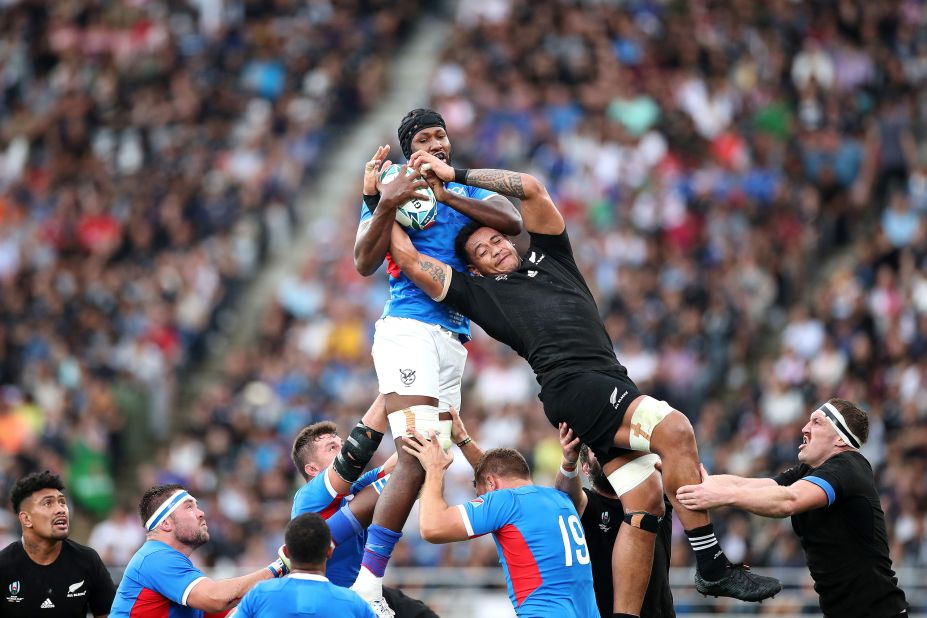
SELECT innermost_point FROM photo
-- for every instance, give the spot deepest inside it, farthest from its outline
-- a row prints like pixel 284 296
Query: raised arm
pixel 374 419
pixel 760 496
pixel 439 523
pixel 538 212
pixel 432 276
pixel 462 439
pixel 495 211
pixel 372 240
pixel 568 480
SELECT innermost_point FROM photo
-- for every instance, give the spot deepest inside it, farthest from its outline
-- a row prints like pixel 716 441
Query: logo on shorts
pixel 615 400
pixel 407 376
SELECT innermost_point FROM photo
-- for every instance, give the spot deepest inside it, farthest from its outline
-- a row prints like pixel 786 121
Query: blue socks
pixel 343 526
pixel 379 548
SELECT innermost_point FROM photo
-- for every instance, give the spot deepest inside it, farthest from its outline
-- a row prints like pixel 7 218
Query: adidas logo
pixel 47 604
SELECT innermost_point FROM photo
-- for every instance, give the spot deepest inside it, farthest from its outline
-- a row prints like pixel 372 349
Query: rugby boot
pixel 739 583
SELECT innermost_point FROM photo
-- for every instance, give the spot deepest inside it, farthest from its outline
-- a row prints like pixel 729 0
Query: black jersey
pixel 543 310
pixel 75 583
pixel 601 520
pixel 845 542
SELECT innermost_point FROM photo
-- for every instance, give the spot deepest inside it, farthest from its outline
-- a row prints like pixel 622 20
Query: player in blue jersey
pixel 541 543
pixel 306 591
pixel 418 348
pixel 160 581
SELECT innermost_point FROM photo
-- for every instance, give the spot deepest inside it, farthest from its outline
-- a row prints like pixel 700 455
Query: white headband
pixel 169 506
pixel 832 414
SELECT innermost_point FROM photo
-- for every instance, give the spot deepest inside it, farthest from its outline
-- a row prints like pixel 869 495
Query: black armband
pixel 356 452
pixel 372 200
pixel 460 175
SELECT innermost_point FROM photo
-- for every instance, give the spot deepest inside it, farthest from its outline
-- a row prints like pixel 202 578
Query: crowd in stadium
pixel 742 184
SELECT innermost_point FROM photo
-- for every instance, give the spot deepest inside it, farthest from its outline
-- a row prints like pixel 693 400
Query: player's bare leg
pixel 391 511
pixel 632 555
pixel 652 426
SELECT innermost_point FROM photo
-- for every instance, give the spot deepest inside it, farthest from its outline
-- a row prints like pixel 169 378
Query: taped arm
pixel 538 212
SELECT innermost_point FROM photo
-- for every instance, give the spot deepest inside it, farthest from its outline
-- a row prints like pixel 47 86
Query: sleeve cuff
pixel 827 487
pixel 447 283
pixel 466 520
pixel 189 589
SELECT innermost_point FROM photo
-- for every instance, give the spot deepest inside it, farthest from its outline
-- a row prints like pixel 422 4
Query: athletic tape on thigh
pixel 632 474
pixel 647 415
pixel 423 419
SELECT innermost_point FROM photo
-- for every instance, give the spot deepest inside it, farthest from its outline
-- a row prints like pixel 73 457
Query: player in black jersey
pixel 835 509
pixel 535 299
pixel 45 573
pixel 600 512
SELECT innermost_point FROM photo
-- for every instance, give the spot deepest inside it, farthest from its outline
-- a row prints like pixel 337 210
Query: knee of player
pixel 673 434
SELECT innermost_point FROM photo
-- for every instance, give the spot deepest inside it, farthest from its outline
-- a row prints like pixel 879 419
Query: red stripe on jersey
pixel 523 568
pixel 222 614
pixel 332 507
pixel 150 604
pixel 391 267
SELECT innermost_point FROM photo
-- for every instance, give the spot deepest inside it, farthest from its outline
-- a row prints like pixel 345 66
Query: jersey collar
pixel 308 576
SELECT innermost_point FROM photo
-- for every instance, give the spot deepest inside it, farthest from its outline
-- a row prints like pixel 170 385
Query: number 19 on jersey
pixel 572 528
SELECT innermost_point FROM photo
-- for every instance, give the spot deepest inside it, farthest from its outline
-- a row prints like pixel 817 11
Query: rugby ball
pixel 419 213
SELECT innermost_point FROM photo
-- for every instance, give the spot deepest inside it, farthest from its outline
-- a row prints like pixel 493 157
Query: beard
pixel 192 538
pixel 598 479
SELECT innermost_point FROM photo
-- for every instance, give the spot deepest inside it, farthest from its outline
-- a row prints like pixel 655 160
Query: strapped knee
pixel 647 415
pixel 356 452
pixel 643 520
pixel 422 419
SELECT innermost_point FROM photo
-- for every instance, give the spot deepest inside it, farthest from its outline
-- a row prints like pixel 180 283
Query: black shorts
pixel 593 404
pixel 405 606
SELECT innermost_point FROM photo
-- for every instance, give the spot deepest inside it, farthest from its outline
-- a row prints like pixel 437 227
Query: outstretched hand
pixel 427 163
pixel 710 493
pixel 458 431
pixel 428 451
pixel 569 443
pixel 374 167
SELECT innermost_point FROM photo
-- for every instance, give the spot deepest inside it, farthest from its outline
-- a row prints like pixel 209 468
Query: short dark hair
pixel 857 420
pixel 307 539
pixel 154 498
pixel 460 242
pixel 305 439
pixel 31 483
pixel 503 462
pixel 583 454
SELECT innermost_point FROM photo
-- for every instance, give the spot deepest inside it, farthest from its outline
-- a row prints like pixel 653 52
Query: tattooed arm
pixel 432 276
pixel 538 212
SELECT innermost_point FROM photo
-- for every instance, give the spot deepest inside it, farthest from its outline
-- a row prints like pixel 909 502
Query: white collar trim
pixel 308 576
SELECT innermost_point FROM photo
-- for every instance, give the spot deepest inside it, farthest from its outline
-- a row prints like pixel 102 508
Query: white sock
pixel 368 585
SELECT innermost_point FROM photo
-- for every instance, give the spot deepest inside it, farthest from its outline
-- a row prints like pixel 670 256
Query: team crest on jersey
pixel 606 521
pixel 477 502
pixel 407 376
pixel 459 190
pixel 14 589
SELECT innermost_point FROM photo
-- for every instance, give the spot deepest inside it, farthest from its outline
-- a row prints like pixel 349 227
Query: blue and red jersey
pixel 302 594
pixel 318 496
pixel 156 584
pixel 542 548
pixel 406 300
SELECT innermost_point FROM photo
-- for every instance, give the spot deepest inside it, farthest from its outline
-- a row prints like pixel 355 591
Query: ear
pixel 473 271
pixel 311 470
pixel 328 554
pixel 286 552
pixel 25 520
pixel 585 468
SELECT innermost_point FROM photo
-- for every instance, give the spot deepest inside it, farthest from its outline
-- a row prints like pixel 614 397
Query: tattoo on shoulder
pixel 500 181
pixel 437 272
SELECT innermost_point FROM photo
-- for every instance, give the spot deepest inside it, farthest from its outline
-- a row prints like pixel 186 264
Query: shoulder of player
pixel 83 552
pixel 13 549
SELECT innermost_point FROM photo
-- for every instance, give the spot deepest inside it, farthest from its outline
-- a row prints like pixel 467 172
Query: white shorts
pixel 415 358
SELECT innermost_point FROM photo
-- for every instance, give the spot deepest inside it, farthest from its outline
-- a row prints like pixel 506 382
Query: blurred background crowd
pixel 745 186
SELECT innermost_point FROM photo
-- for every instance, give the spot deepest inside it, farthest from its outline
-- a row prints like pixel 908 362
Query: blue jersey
pixel 156 584
pixel 542 549
pixel 406 300
pixel 302 594
pixel 318 496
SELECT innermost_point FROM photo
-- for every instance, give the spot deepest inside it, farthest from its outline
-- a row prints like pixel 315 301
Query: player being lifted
pixel 418 348
pixel 537 302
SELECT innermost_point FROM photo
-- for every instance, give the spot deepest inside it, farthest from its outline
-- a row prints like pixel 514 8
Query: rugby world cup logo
pixel 14 588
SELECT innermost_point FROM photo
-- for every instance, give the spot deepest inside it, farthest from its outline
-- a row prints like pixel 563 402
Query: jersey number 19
pixel 579 538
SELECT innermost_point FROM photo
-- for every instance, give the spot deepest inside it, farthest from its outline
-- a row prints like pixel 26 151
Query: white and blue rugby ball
pixel 419 213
